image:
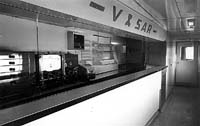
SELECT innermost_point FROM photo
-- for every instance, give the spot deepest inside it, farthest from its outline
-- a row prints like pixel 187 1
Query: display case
pixel 99 54
pixel 86 54
pixel 102 54
pixel 50 70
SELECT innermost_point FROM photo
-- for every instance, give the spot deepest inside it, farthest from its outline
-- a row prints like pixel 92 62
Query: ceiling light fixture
pixel 191 23
pixel 114 43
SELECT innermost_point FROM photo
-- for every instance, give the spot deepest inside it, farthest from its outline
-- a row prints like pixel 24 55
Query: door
pixel 186 67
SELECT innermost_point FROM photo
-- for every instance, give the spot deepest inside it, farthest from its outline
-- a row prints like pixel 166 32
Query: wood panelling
pixel 156 53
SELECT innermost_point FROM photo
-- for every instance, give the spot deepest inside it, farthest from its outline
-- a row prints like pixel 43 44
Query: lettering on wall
pixel 140 25
pixel 130 21
pixel 116 14
pixel 97 6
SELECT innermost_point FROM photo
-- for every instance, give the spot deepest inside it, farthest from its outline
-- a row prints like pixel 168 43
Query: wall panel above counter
pixel 113 13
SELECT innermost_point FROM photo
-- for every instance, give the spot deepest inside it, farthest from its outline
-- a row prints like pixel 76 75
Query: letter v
pixel 115 16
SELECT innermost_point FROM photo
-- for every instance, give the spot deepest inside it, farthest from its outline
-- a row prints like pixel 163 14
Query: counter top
pixel 24 113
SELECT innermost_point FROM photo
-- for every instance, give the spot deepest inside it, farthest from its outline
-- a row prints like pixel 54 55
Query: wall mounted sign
pixel 108 12
pixel 97 6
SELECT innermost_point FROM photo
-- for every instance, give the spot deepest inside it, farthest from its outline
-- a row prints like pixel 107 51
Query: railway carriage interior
pixel 82 59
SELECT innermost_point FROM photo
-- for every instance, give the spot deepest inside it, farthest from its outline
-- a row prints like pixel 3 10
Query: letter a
pixel 144 27
pixel 115 16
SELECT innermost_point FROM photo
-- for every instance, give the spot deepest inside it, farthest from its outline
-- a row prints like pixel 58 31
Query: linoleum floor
pixel 181 109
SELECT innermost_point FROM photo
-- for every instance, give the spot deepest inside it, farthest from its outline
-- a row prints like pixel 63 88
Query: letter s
pixel 138 24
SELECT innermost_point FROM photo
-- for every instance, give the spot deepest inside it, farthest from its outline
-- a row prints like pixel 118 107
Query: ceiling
pixel 158 5
pixel 175 13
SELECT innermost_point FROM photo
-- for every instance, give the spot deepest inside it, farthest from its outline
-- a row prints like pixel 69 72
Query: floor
pixel 181 109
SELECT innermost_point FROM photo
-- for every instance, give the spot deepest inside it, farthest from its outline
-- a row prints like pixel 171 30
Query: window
pixel 187 53
pixel 78 41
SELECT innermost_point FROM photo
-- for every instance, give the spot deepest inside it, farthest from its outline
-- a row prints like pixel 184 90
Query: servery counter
pixel 140 89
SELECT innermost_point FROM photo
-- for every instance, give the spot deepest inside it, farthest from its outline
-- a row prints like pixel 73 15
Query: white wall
pixel 130 105
pixel 20 35
pixel 52 38
pixel 17 34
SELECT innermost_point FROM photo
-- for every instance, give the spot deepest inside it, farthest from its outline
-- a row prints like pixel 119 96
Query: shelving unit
pixel 16 66
pixel 10 64
pixel 86 54
pixel 99 54
pixel 104 53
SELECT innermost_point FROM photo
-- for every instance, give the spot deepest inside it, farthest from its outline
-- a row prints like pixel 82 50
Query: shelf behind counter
pixel 62 97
